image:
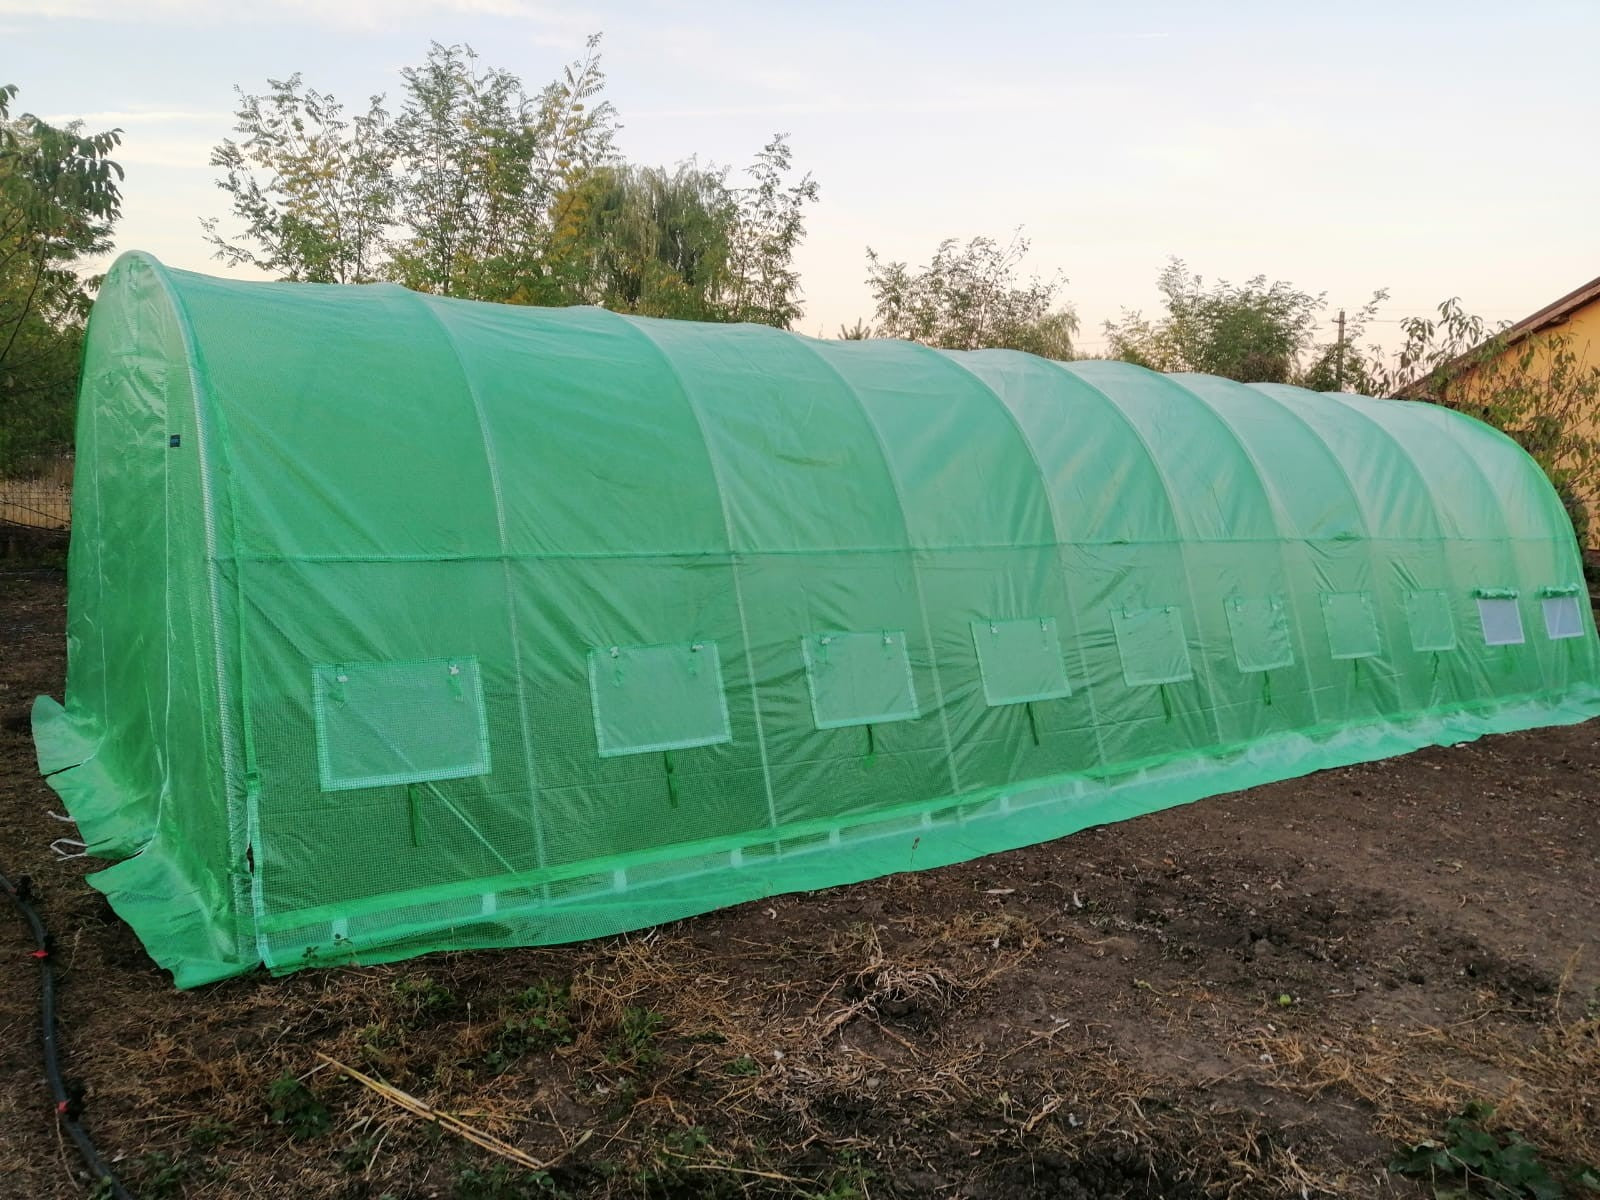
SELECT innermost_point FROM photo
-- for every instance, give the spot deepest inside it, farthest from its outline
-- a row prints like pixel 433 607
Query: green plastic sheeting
pixel 400 623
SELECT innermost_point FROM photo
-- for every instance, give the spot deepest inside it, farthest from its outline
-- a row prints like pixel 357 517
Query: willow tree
pixel 649 240
pixel 686 241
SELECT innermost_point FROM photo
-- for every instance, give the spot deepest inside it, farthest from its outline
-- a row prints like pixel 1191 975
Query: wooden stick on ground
pixel 455 1125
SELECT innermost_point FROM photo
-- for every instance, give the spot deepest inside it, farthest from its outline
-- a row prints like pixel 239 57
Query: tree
pixel 647 240
pixel 769 226
pixel 59 199
pixel 1539 389
pixel 968 297
pixel 1253 333
pixel 311 187
pixel 482 165
pixel 478 189
pixel 453 195
pixel 682 242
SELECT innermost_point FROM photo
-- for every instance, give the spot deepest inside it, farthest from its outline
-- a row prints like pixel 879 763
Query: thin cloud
pixel 189 155
pixel 989 102
pixel 155 117
pixel 348 14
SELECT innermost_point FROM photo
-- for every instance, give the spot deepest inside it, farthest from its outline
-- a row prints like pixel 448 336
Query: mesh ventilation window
pixel 859 678
pixel 1020 661
pixel 1501 620
pixel 1260 631
pixel 1352 624
pixel 1433 630
pixel 1562 617
pixel 382 723
pixel 651 698
pixel 1152 645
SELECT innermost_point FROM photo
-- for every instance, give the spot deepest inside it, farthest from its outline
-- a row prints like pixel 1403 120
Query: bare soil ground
pixel 1261 994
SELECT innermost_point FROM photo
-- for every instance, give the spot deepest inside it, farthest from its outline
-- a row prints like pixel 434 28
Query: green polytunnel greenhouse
pixel 400 623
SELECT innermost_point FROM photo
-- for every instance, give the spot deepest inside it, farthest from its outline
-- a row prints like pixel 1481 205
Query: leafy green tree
pixel 311 187
pixel 1259 332
pixel 768 227
pixel 463 148
pixel 969 297
pixel 482 165
pixel 451 195
pixel 647 240
pixel 59 199
pixel 1253 333
pixel 683 242
pixel 477 188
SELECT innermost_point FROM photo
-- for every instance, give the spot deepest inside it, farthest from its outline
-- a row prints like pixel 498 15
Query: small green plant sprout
pixel 1285 1000
pixel 420 997
pixel 849 1179
pixel 744 1065
pixel 501 1182
pixel 635 1037
pixel 543 996
pixel 686 1142
pixel 541 1020
pixel 160 1174
pixel 296 1107
pixel 358 1155
pixel 208 1133
pixel 1472 1160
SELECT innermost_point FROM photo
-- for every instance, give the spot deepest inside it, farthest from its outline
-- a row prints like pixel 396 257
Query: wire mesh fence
pixel 41 502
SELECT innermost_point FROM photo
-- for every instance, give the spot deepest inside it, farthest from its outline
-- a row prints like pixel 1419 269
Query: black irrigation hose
pixel 67 1105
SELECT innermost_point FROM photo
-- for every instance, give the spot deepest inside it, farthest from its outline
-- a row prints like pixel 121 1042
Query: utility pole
pixel 1338 357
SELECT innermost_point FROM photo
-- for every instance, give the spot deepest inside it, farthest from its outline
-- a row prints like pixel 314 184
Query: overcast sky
pixel 1434 147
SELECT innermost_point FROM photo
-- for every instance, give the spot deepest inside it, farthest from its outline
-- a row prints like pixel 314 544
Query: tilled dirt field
pixel 1261 994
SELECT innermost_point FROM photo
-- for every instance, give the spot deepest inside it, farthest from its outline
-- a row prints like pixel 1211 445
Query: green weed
pixel 208 1134
pixel 296 1107
pixel 159 1175
pixel 1471 1160
pixel 502 1182
pixel 542 1021
pixel 420 997
pixel 635 1038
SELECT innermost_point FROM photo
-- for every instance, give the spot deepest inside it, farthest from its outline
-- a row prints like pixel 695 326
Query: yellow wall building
pixel 1577 313
pixel 1572 323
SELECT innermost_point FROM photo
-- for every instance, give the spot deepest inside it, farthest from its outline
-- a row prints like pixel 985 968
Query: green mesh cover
pixel 399 623
pixel 1259 627
pixel 657 698
pixel 1154 650
pixel 1428 619
pixel 859 678
pixel 1020 661
pixel 1352 622
pixel 400 722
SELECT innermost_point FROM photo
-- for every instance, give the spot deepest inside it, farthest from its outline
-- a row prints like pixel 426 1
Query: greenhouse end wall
pixel 459 624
